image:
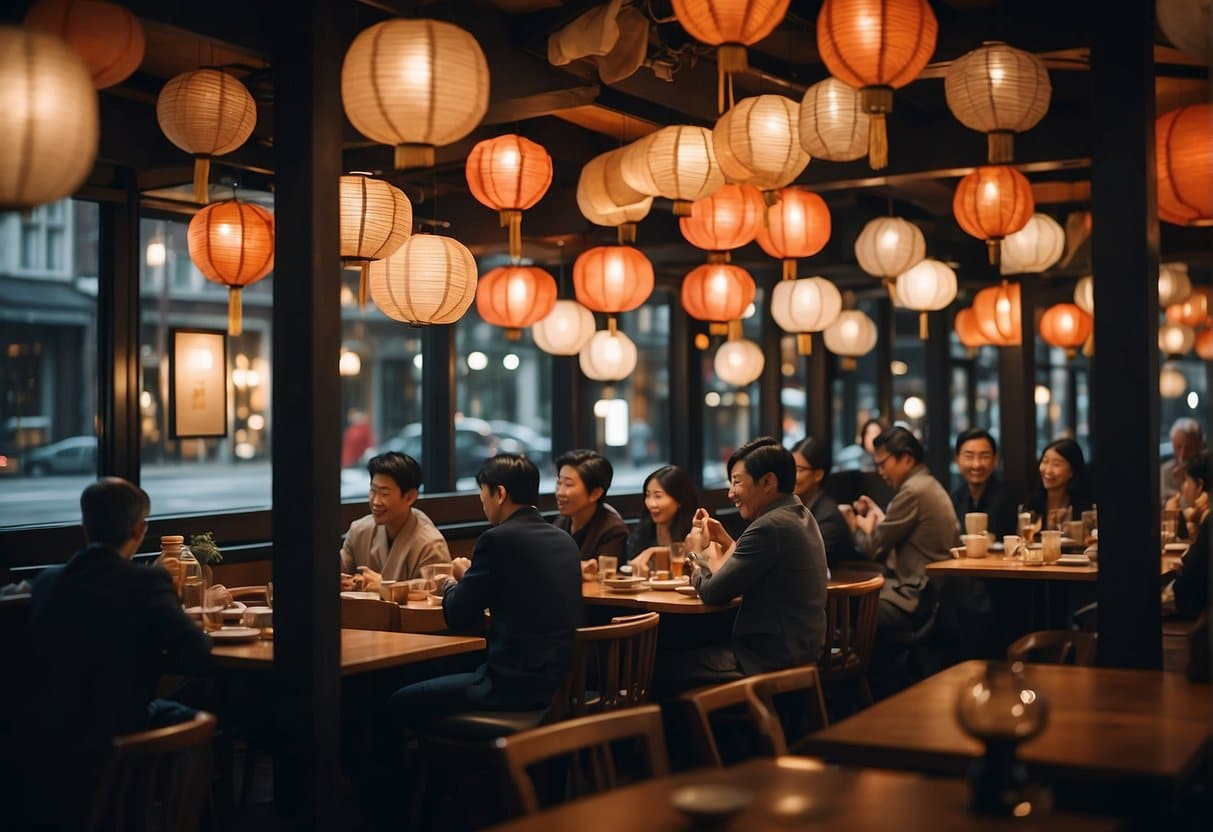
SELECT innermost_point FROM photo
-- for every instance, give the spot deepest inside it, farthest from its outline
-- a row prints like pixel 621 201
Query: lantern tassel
pixel 848 364
pixel 414 156
pixel 512 334
pixel 202 175
pixel 922 326
pixel 804 343
pixel 612 325
pixel 994 249
pixel 513 219
pixel 682 208
pixel 235 311
pixel 718 328
pixel 730 58
pixel 1000 147
pixel 878 142
pixel 364 283
pixel 890 284
pixel 734 330
pixel 625 232
pixel 719 257
pixel 1088 349
pixel 789 269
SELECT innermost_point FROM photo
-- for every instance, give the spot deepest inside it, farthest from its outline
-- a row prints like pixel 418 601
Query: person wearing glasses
pixel 982 490
pixel 812 467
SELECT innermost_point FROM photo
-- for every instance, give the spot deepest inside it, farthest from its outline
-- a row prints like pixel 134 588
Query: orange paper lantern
pixel 1065 325
pixel 107 36
pixel 509 174
pixel 798 225
pixel 1184 158
pixel 992 202
pixel 612 279
pixel 1194 311
pixel 1204 344
pixel 968 331
pixel 514 297
pixel 232 243
pixel 730 26
pixel 998 313
pixel 726 220
pixel 717 292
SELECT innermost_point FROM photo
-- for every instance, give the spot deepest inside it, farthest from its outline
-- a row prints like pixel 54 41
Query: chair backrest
pixel 586 744
pixel 158 779
pixel 256 594
pixel 1055 647
pixel 370 614
pixel 850 625
pixel 612 666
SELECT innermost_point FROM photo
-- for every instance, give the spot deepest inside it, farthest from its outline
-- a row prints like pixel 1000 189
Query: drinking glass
pixel 269 594
pixel 1050 545
pixel 1058 517
pixel 678 553
pixel 1027 524
pixel 1169 525
pixel 606 567
pixel 1090 522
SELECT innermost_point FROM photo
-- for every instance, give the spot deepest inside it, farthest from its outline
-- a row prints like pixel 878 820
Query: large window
pixel 855 400
pixel 730 414
pixel 1062 398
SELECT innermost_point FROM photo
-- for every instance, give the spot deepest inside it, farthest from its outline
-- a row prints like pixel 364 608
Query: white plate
pixel 235 634
pixel 689 591
pixel 365 596
pixel 666 586
pixel 711 801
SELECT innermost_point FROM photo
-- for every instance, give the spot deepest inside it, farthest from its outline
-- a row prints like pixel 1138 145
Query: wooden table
pixel 1103 723
pixel 654 600
pixel 1014 569
pixel 421 617
pixel 361 651
pixel 798 793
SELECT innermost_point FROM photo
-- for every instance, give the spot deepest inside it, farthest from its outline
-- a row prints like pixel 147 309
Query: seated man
pixel 777 566
pixel 102 631
pixel 982 490
pixel 525 572
pixel 395 540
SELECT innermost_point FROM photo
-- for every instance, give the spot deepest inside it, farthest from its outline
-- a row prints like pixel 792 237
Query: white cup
pixel 1011 544
pixel 1050 545
pixel 976 522
pixel 976 545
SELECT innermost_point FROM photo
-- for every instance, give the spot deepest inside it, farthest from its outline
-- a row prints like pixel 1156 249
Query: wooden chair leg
pixel 865 691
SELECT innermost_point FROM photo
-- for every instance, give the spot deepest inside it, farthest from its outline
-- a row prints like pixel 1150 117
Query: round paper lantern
pixel 1204 344
pixel 1184 160
pixel 108 37
pixel 1172 383
pixel 349 363
pixel 430 279
pixel 675 162
pixel 798 225
pixel 991 203
pixel 208 113
pixel 1193 310
pixel 375 220
pixel 877 46
pixel 609 355
pixel 851 335
pixel 612 279
pixel 802 307
pixel 889 246
pixel 717 292
pixel 509 174
pixel 1174 285
pixel 927 287
pixel 833 124
pixel 515 296
pixel 564 330
pixel 998 313
pixel 726 220
pixel 415 85
pixel 1033 248
pixel 1084 294
pixel 1186 24
pixel 232 243
pixel 758 141
pixel 605 199
pixel 1065 325
pixel 730 26
pixel 968 331
pixel 1000 91
pixel 1175 339
pixel 50 125
pixel 739 362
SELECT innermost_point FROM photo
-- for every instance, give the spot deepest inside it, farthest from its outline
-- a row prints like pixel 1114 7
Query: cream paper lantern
pixel 605 199
pixel 739 362
pixel 676 162
pixel 802 307
pixel 375 220
pixel 1175 339
pixel 430 279
pixel 927 287
pixel 851 335
pixel 757 142
pixel 1084 294
pixel 1000 91
pixel 1186 23
pixel 1172 383
pixel 889 246
pixel 1174 285
pixel 609 355
pixel 1034 248
pixel 414 85
pixel 50 125
pixel 564 330
pixel 833 124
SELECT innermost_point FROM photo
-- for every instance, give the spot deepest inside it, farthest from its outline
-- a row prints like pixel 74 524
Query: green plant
pixel 204 548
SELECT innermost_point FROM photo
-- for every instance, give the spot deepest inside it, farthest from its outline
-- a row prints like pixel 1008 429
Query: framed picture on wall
pixel 197 383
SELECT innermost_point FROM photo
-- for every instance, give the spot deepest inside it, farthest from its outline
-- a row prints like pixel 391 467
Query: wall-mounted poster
pixel 197 379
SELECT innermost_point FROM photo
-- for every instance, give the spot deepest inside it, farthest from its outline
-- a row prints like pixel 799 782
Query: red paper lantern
pixel 726 220
pixel 992 202
pixel 968 330
pixel 798 225
pixel 1065 325
pixel 998 313
pixel 1184 158
pixel 612 279
pixel 232 243
pixel 108 37
pixel 509 174
pixel 1194 311
pixel 515 296
pixel 717 292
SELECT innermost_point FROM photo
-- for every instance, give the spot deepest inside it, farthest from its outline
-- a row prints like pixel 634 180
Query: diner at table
pixel 983 490
pixel 812 468
pixel 583 478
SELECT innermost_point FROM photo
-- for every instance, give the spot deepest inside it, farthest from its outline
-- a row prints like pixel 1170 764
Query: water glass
pixel 678 554
pixel 607 564
pixel 1090 522
pixel 1027 524
pixel 1050 545
pixel 269 594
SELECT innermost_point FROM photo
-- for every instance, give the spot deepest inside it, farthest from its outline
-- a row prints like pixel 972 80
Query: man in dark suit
pixel 982 490
pixel 527 573
pixel 102 631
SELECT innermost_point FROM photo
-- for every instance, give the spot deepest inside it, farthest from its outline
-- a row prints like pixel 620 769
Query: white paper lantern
pixel 757 142
pixel 375 218
pixel 802 307
pixel 1033 248
pixel 888 246
pixel 430 279
pixel 676 162
pixel 600 189
pixel 833 124
pixel 1174 285
pixel 853 334
pixel 739 362
pixel 1172 383
pixel 1175 339
pixel 1084 294
pixel 927 287
pixel 998 90
pixel 565 330
pixel 608 356
pixel 1186 24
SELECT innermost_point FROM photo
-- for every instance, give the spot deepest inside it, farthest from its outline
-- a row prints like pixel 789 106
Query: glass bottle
pixel 193 586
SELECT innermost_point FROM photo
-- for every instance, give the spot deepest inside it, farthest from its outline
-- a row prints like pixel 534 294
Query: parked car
pixel 74 455
pixel 474 443
pixel 521 439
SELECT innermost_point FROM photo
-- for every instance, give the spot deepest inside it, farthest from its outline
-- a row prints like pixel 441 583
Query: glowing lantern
pixel 605 199
pixel 108 37
pixel 730 26
pixel 1204 344
pixel 1175 339
pixel 798 225
pixel 208 113
pixel 509 174
pixel 677 163
pixel 1065 325
pixel 1172 383
pixel 758 141
pixel 430 279
pixel 1184 158
pixel 232 243
pixel 877 46
pixel 802 307
pixel 833 124
pixel 852 335
pixel 991 203
pixel 565 330
pixel 1193 310
pixel 927 287
pixel 998 90
pixel 50 125
pixel 889 246
pixel 1174 285
pixel 998 313
pixel 739 362
pixel 726 220
pixel 514 297
pixel 1084 294
pixel 717 292
pixel 1033 248
pixel 375 220
pixel 968 331
pixel 1186 24
pixel 609 355
pixel 612 279
pixel 415 85
pixel 349 363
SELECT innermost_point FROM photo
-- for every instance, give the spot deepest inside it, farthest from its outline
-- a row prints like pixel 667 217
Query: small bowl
pixel 711 802
pixel 623 582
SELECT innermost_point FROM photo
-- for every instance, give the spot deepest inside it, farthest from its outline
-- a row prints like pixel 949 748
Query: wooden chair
pixel 850 634
pixel 370 614
pixel 156 780
pixel 612 666
pixel 1054 647
pixel 586 743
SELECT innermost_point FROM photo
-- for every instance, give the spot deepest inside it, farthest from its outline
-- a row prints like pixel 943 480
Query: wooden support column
pixel 307 418
pixel 567 411
pixel 886 327
pixel 686 394
pixel 1017 401
pixel 1124 256
pixel 770 383
pixel 818 398
pixel 438 408
pixel 939 395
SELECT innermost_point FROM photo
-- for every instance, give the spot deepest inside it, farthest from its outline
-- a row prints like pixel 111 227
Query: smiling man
pixel 982 490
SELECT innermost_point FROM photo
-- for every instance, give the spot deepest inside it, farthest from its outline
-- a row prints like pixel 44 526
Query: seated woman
pixel 1063 483
pixel 670 498
pixel 1191 586
pixel 582 480
pixel 812 467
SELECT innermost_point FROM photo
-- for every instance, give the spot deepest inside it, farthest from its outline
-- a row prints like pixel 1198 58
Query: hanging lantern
pixel 430 279
pixel 833 124
pixel 739 362
pixel 605 199
pixel 609 355
pixel 515 296
pixel 717 292
pixel 509 174
pixel 1204 344
pixel 207 113
pixel 991 203
pixel 1065 325
pixel 798 225
pixel 889 246
pixel 1186 24
pixel 414 85
pixel 877 46
pixel 802 307
pixel 675 162
pixel 612 279
pixel 232 243
pixel 50 125
pixel 998 90
pixel 730 26
pixel 106 36
pixel 1184 158
pixel 1175 339
pixel 564 330
pixel 968 331
pixel 1193 310
pixel 998 313
pixel 1174 285
pixel 758 141
pixel 349 363
pixel 726 220
pixel 1033 248
pixel 1084 294
pixel 852 335
pixel 927 287
pixel 1172 383
pixel 375 220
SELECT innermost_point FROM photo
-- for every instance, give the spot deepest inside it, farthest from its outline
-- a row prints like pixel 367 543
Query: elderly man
pixel 1187 440
pixel 982 490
